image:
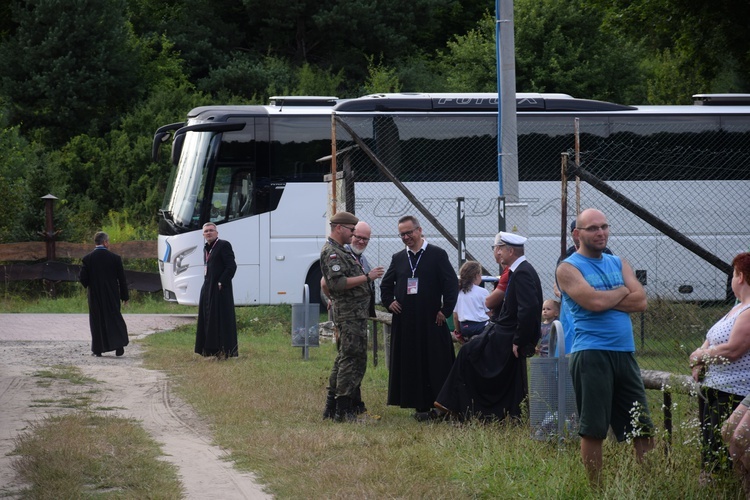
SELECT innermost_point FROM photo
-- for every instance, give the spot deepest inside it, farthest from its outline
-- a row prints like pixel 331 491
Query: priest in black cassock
pixel 103 275
pixel 420 288
pixel 216 334
pixel 489 378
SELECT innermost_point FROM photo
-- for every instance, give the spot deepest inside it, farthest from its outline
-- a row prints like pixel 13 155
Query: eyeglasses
pixel 497 247
pixel 595 229
pixel 350 228
pixel 406 234
pixel 360 238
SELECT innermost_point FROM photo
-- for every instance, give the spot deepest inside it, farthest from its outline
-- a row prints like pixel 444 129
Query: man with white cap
pixel 494 300
pixel 488 379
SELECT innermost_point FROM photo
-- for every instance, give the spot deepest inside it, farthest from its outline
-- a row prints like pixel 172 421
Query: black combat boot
pixel 358 406
pixel 330 409
pixel 344 412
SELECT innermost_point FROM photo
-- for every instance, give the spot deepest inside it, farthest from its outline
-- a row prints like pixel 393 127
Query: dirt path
pixel 30 342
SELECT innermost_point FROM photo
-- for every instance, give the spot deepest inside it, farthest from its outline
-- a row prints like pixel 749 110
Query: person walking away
pixel 216 333
pixel 103 275
pixel 420 289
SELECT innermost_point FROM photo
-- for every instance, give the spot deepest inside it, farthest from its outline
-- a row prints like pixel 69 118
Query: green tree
pixel 470 60
pixel 703 43
pixel 380 79
pixel 69 66
pixel 559 48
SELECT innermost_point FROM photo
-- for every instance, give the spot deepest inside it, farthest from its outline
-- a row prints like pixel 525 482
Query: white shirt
pixel 470 305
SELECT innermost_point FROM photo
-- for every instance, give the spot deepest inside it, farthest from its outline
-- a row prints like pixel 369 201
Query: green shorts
pixel 608 386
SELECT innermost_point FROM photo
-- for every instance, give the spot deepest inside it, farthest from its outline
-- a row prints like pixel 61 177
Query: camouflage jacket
pixel 337 263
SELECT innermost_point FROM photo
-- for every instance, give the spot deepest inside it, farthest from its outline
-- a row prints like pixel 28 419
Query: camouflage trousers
pixel 351 362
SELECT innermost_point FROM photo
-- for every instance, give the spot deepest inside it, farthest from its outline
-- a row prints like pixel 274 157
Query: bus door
pixel 232 208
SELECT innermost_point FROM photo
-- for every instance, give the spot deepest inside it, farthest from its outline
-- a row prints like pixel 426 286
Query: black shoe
pixel 330 410
pixel 119 351
pixel 426 416
pixel 97 354
pixel 344 412
pixel 359 408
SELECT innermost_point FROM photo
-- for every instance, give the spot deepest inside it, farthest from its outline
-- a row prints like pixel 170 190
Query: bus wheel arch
pixel 314 275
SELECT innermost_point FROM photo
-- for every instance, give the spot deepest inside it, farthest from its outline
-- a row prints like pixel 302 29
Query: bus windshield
pixel 182 203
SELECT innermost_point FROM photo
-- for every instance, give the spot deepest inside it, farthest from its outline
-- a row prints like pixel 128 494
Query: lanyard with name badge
pixel 412 284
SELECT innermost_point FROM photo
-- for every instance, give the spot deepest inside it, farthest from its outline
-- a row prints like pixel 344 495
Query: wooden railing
pixel 37 250
pixel 30 261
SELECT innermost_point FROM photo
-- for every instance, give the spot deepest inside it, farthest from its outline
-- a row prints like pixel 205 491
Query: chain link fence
pixel 665 182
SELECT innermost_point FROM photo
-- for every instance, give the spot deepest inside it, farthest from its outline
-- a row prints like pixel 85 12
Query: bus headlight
pixel 179 268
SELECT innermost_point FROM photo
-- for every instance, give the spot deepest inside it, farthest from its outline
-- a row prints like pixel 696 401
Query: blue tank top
pixel 609 330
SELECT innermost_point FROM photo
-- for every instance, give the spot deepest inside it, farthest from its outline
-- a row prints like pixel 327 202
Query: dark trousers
pixel 713 411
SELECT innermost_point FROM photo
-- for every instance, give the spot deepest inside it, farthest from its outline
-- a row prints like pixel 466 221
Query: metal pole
pixel 501 219
pixel 374 343
pixel 461 223
pixel 306 320
pixel 507 134
pixel 578 164
pixel 563 203
pixel 333 164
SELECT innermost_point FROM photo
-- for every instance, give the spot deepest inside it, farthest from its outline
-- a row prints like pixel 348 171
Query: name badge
pixel 412 286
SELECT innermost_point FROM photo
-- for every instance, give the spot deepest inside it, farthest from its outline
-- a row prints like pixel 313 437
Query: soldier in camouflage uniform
pixel 349 288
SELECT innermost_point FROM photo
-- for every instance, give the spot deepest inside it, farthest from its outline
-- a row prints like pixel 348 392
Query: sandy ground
pixel 30 342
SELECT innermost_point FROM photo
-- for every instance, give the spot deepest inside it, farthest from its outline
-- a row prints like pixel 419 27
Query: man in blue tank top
pixel 600 291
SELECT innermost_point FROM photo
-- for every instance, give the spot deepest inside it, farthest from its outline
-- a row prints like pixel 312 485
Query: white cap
pixel 511 239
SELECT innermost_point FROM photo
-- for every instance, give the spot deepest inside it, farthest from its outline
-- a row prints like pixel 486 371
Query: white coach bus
pixel 255 172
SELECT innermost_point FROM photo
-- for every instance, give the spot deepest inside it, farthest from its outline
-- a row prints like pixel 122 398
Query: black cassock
pixel 421 352
pixel 216 333
pixel 487 380
pixel 103 274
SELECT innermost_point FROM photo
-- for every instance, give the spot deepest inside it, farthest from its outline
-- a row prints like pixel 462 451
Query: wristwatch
pixel 368 277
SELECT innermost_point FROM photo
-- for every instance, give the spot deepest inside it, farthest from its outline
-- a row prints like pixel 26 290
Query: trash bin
pixel 305 324
pixel 551 392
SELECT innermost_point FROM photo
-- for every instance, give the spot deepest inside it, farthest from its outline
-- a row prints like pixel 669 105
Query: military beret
pixel 344 218
pixel 511 239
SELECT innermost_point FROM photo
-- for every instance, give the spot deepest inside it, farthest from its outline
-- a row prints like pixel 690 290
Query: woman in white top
pixel 470 314
pixel 725 359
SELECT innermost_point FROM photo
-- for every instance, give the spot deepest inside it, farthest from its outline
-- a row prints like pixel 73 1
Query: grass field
pixel 265 408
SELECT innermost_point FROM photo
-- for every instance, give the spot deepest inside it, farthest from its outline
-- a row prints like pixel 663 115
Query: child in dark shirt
pixel 550 312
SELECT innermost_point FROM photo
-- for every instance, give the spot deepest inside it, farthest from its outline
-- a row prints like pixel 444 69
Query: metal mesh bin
pixel 305 331
pixel 551 392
